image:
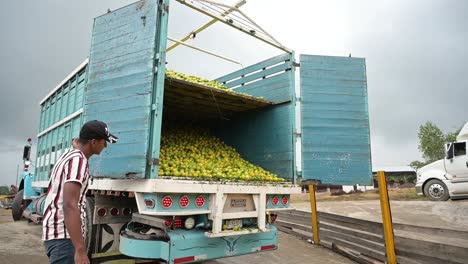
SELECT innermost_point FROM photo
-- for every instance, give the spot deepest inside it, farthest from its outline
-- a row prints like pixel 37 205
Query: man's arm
pixel 71 195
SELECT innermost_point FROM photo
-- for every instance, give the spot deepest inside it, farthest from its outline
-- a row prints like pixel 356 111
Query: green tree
pixel 452 137
pixel 431 143
pixel 416 164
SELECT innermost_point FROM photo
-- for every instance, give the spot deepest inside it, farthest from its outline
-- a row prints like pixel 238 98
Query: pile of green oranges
pixel 204 82
pixel 194 153
pixel 196 79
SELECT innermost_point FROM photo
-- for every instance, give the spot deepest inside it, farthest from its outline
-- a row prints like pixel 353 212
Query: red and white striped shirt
pixel 71 166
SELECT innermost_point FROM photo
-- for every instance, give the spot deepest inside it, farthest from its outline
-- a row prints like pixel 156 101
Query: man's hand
pixel 81 257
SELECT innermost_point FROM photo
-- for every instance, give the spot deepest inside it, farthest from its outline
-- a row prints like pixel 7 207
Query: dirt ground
pixel 406 208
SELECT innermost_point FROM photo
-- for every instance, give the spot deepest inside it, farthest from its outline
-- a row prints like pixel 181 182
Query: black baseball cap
pixel 97 130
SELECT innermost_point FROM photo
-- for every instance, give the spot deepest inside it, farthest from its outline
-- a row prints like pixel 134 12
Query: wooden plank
pixel 361 228
pixel 293 225
pixel 295 233
pixel 259 75
pixel 363 250
pixel 353 232
pixel 432 231
pixel 255 67
pixel 295 221
pixel 364 223
pixel 362 242
pixel 406 260
pixel 430 251
pixel 370 229
pixel 356 256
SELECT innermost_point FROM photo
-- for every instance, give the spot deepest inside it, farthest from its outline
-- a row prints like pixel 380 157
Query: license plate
pixel 238 202
pixel 234 222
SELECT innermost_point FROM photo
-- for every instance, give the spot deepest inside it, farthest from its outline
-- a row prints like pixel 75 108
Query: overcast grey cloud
pixel 416 53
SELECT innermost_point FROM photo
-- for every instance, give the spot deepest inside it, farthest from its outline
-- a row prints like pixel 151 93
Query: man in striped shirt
pixel 64 226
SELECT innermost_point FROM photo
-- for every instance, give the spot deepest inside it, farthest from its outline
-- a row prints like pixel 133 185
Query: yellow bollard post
pixel 386 218
pixel 313 207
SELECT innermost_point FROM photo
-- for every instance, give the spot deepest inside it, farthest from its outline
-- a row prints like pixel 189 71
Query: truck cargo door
pixel 335 120
pixel 120 86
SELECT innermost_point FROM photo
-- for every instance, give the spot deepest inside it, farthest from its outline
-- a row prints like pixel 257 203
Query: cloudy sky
pixel 416 53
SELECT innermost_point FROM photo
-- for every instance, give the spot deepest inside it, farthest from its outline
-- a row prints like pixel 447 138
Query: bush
pixel 337 193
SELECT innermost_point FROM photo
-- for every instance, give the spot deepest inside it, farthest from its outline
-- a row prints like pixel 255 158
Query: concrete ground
pixel 20 242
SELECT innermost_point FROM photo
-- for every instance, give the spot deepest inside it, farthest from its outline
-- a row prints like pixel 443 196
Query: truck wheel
pixel 17 207
pixel 436 190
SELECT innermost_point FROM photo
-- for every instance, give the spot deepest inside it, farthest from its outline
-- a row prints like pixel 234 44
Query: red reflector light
pixel 285 200
pixel 126 211
pixel 177 223
pixel 200 201
pixel 168 222
pixel 167 202
pixel 184 260
pixel 102 212
pixel 275 200
pixel 149 203
pixel 184 201
pixel 114 211
pixel 269 247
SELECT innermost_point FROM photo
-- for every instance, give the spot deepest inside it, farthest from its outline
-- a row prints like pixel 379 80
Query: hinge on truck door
pixel 295 64
pixel 164 8
pixel 153 161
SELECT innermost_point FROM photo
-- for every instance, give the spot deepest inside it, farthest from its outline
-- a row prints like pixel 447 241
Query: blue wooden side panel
pixel 57 126
pixel 335 120
pixel 265 137
pixel 120 86
pixel 271 79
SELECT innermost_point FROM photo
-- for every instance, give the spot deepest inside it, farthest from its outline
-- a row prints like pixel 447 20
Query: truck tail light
pixel 285 200
pixel 269 247
pixel 126 211
pixel 275 200
pixel 149 203
pixel 184 201
pixel 167 201
pixel 177 223
pixel 114 211
pixel 200 201
pixel 168 222
pixel 102 212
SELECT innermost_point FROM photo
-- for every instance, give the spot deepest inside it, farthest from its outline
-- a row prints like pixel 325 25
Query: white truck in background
pixel 448 177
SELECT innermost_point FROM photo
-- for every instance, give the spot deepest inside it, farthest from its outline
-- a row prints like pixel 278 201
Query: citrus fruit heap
pixel 194 153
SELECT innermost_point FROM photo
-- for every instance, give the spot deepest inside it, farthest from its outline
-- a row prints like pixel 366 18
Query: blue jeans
pixel 60 251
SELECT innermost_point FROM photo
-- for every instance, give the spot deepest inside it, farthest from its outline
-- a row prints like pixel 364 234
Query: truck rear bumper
pixel 187 246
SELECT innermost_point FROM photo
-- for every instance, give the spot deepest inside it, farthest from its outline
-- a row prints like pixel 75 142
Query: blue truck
pixel 134 210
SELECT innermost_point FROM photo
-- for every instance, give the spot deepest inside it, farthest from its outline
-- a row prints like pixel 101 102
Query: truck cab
pixel 448 177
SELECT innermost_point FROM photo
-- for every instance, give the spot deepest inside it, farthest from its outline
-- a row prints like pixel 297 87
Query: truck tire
pixel 436 190
pixel 17 206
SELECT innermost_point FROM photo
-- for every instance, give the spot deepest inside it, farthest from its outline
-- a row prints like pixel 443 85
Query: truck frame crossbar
pixel 233 19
